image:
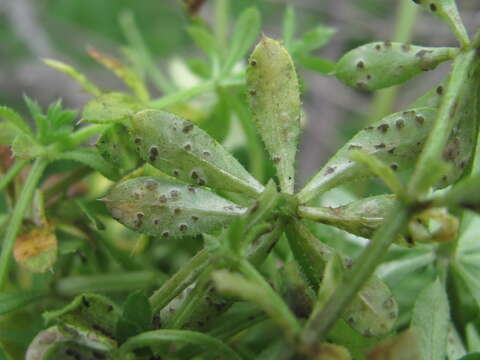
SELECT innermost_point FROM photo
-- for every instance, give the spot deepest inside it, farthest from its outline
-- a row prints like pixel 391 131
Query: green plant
pixel 275 278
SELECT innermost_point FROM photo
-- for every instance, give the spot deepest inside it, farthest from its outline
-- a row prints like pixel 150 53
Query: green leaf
pixel 372 312
pixel 8 132
pixel 472 337
pixel 431 162
pixel 392 272
pixel 362 217
pixel 70 71
pixel 13 300
pixel 169 209
pixel 217 125
pixel 136 316
pixel 111 107
pixel 431 319
pixel 455 347
pixel 237 285
pixel 379 65
pixel 114 146
pixel 289 25
pixel 320 65
pixel 15 119
pixel 53 344
pixel 127 74
pixel 204 40
pixel 448 12
pixel 276 107
pixel 180 148
pixel 91 317
pixel 91 158
pixel 396 139
pixel 25 147
pixel 245 33
pixel 90 214
pixel 333 276
pixel 313 39
pixel 379 169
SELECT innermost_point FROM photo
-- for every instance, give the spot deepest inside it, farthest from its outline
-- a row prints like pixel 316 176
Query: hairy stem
pixel 12 172
pixel 179 282
pixel 17 217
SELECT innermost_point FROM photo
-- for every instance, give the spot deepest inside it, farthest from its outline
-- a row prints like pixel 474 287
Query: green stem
pixel 85 133
pixel 12 172
pixel 117 282
pixel 179 282
pixel 193 302
pixel 430 164
pixel 384 100
pixel 361 272
pixel 17 217
pixel 183 95
pixel 152 338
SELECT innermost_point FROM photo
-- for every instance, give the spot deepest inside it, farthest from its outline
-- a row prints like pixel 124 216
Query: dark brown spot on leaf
pixel 383 128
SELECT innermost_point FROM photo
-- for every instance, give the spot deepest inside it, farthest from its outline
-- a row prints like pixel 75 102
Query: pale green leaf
pixel 447 11
pixel 204 40
pixel 276 107
pixel 431 319
pixel 70 71
pixel 127 74
pixel 181 149
pixel 169 209
pixel 383 64
pixel 15 119
pixel 372 312
pixel 91 158
pixel 91 317
pixel 8 132
pixel 26 147
pixel 111 107
pixel 396 139
pixel 245 32
pixel 313 39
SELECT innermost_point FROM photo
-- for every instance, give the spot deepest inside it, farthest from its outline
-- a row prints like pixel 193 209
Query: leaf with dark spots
pixel 90 318
pixel 110 108
pixel 169 209
pixel 180 148
pixel 387 64
pixel 394 144
pixel 276 107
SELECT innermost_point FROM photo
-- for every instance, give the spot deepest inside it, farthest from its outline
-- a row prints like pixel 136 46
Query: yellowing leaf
pixel 36 250
pixel 128 75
